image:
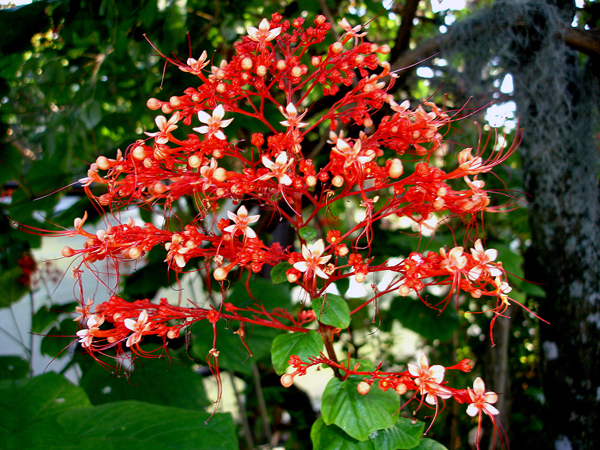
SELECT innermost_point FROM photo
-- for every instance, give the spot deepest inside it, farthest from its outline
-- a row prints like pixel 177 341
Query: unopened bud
pixel 220 274
pixel 363 388
pixel 384 49
pixel 292 277
pixel 175 101
pixel 297 71
pixel 221 88
pixel 396 168
pixel 342 250
pixel 315 61
pixel 102 163
pixel 359 59
pixel 338 181
pixel 139 153
pixel 359 277
pixel 403 290
pixel 173 333
pixel 287 380
pixel 368 122
pixel 438 203
pixel 67 251
pixel 281 65
pixel 166 108
pixel 220 174
pixel 401 389
pixel 135 253
pixel 320 20
pixel 194 161
pixel 247 63
pixel 153 104
pixel 261 71
pixel 336 47
pixel 311 181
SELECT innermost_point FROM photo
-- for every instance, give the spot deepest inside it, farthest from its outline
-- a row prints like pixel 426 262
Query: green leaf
pixel 356 414
pixel 428 322
pixel 404 435
pixel 332 310
pixel 278 273
pixel 331 437
pixel 29 409
pixel 137 425
pixel 429 444
pixel 308 234
pixel 48 412
pixel 10 288
pixel 154 381
pixel 299 344
pixel 13 368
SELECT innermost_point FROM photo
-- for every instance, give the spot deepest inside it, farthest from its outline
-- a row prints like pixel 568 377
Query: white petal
pixel 479 386
pixel 320 273
pixel 489 409
pixel 281 158
pixel 161 121
pixel 201 130
pixel 268 163
pixel 242 213
pixel 204 117
pixel 220 135
pixel 130 323
pixel 472 410
pixel 264 25
pixel 302 266
pixel 475 273
pixel 218 112
pixel 250 233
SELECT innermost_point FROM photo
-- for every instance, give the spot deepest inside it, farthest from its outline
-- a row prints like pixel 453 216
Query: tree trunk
pixel 560 164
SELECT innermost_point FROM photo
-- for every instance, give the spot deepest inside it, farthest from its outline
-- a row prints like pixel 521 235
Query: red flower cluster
pixel 276 70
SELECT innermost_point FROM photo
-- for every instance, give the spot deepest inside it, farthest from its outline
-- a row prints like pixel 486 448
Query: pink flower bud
pixel 153 104
pixel 67 251
pixel 401 389
pixel 287 380
pixel 363 388
pixel 103 163
pixel 220 274
pixel 396 168
pixel 336 47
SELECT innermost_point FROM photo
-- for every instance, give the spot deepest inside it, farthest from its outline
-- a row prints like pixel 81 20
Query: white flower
pixel 278 169
pixel 428 379
pixel 138 327
pixel 242 220
pixel 313 259
pixel 352 154
pixel 481 399
pixel 263 34
pixel 484 259
pixel 195 66
pixel 213 123
pixel 293 119
pixel 165 127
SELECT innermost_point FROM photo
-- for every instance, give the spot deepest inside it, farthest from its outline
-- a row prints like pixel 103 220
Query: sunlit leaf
pixel 332 310
pixel 356 414
pixel 302 345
